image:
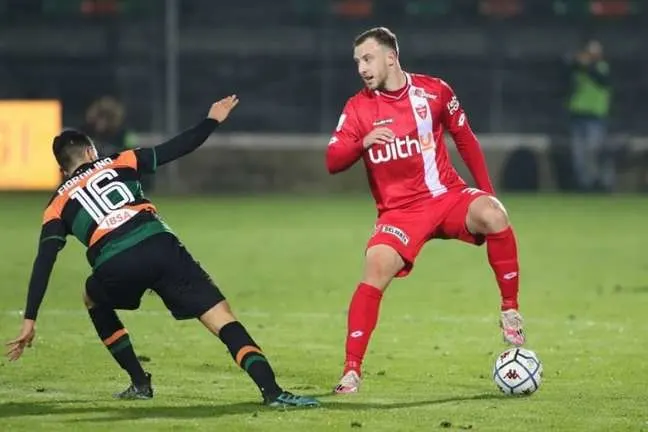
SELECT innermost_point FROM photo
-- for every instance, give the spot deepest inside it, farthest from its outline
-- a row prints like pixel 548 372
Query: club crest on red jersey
pixel 421 110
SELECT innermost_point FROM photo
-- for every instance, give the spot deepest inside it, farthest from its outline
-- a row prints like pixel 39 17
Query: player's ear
pixel 91 152
pixel 391 58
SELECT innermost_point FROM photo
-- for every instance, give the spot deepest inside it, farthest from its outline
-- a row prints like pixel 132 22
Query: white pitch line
pixel 617 326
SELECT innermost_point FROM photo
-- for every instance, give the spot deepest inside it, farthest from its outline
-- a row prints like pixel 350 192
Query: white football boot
pixel 511 323
pixel 349 383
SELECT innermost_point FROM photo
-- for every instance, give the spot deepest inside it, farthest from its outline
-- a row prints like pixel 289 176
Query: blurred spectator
pixel 589 105
pixel 104 123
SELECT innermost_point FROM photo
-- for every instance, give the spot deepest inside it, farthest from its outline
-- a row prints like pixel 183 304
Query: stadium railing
pixel 287 163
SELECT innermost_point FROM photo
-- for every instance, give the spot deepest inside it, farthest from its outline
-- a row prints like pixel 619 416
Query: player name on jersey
pixel 85 174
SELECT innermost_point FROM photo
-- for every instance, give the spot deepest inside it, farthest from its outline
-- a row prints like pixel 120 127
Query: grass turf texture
pixel 289 266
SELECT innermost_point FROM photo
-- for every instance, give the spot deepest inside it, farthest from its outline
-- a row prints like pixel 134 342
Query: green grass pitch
pixel 289 265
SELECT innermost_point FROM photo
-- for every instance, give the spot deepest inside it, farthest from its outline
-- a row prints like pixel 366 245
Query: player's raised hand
pixel 380 135
pixel 17 346
pixel 221 109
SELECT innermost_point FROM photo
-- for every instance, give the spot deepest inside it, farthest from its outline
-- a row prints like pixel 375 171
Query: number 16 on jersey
pixel 100 200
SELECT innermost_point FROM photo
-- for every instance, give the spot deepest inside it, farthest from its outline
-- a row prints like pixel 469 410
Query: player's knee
pixel 487 215
pixel 217 317
pixel 382 264
pixel 88 301
pixel 495 220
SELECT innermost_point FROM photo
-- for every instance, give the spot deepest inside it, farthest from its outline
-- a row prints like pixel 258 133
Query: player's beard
pixel 381 80
pixel 380 85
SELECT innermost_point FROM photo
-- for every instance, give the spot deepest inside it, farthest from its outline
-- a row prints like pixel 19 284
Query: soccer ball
pixel 517 371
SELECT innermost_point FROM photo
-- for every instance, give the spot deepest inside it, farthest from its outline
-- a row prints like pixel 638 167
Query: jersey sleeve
pixel 53 230
pixel 453 115
pixel 146 160
pixel 52 227
pixel 345 147
pixel 455 120
pixel 142 160
pixel 51 241
pixel 184 143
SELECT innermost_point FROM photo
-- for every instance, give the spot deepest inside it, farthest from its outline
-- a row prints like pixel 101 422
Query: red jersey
pixel 416 165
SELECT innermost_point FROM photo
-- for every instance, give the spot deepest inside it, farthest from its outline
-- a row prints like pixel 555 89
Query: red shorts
pixel 408 229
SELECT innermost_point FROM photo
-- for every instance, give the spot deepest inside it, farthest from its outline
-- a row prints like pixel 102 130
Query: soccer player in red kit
pixel 396 125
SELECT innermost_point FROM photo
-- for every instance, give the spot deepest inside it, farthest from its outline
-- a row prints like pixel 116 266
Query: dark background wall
pixel 290 60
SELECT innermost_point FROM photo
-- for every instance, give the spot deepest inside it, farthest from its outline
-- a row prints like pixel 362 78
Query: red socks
pixel 503 258
pixel 365 303
pixel 363 316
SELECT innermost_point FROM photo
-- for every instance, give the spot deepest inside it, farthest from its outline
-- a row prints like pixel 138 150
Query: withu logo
pixel 401 148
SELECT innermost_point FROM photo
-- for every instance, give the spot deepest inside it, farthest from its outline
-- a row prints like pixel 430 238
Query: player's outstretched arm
pixel 191 139
pixel 346 146
pixel 43 264
pixel 456 122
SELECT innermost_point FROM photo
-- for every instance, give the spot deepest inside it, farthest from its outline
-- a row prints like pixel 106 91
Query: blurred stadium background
pixel 133 72
pixel 153 66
